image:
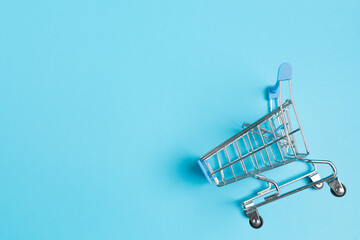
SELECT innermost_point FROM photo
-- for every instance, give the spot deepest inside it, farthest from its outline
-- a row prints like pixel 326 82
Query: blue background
pixel 107 105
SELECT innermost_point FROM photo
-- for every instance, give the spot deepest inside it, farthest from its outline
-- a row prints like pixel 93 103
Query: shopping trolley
pixel 273 141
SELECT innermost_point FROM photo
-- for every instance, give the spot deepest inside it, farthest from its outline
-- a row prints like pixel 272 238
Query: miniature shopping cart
pixel 273 141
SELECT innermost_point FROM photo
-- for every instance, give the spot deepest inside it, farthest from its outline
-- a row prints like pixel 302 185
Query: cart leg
pixel 337 188
pixel 314 178
pixel 262 178
pixel 255 219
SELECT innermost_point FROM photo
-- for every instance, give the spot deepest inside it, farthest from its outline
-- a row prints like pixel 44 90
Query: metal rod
pixel 290 126
pixel 227 156
pixel 252 149
pixel 267 153
pixel 252 133
pixel 221 172
pixel 249 153
pixel 267 141
pixel 297 117
pixel 262 178
pixel 277 143
pixel 281 115
pixel 266 138
pixel 239 155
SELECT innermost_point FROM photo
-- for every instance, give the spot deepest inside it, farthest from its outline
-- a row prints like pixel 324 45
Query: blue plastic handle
pixel 284 73
pixel 206 172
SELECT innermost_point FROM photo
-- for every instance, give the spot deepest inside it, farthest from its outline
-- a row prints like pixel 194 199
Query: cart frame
pixel 274 139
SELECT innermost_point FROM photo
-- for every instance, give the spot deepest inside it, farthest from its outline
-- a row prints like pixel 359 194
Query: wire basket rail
pixel 275 140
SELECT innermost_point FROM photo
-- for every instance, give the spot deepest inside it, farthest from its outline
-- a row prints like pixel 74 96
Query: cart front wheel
pixel 256 223
pixel 318 186
pixel 341 191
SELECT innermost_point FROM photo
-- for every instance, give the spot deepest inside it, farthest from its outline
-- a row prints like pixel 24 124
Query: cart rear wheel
pixel 256 223
pixel 340 194
pixel 318 186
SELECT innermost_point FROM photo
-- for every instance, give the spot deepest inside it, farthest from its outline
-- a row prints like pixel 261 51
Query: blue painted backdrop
pixel 107 105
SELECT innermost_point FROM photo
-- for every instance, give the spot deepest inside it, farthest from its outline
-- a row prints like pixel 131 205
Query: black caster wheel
pixel 318 186
pixel 256 223
pixel 341 194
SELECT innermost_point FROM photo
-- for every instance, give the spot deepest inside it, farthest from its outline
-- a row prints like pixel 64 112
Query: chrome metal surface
pixel 337 187
pixel 273 141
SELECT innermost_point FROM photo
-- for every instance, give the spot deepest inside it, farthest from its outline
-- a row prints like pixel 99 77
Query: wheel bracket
pixel 254 218
pixel 337 187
